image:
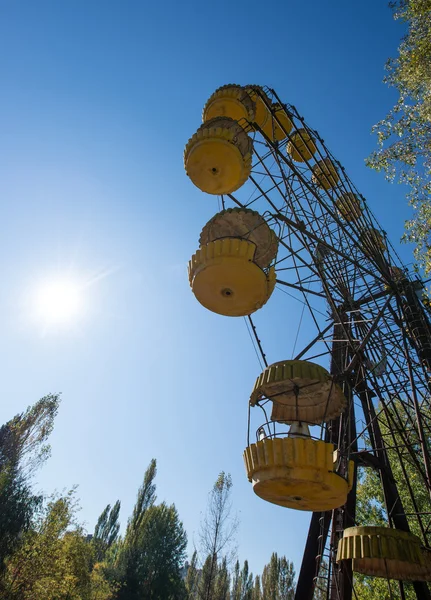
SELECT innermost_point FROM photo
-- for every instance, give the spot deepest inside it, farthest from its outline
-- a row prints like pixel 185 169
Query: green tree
pixel 106 530
pixel 207 578
pixel 257 591
pixel 278 579
pixel 23 449
pixel 236 582
pixel 101 587
pixel 192 577
pixel 149 559
pixel 404 135
pixel 146 498
pixel 246 583
pixel 222 582
pixel 242 582
pixel 54 560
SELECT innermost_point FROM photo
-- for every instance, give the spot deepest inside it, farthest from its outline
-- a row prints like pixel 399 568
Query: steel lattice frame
pixel 362 314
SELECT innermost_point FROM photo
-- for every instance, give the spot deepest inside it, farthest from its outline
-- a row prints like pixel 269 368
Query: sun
pixel 58 302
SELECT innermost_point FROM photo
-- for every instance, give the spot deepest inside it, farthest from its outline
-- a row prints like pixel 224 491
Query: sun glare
pixel 58 302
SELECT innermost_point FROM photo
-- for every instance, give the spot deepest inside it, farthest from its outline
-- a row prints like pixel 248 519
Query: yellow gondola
pixel 384 552
pixel 372 238
pixel 231 101
pixel 226 280
pixel 257 94
pixel 325 174
pixel 297 473
pixel 301 146
pixel 272 129
pixel 246 224
pixel 300 391
pixel 349 206
pixel 217 158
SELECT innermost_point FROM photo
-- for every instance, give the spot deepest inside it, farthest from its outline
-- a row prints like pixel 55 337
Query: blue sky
pixel 98 99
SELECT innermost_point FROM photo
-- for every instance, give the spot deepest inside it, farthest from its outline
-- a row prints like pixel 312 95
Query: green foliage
pixel 242 585
pixel 46 555
pixel 149 559
pixel 246 580
pixel 192 577
pixel 278 579
pixel 257 592
pixel 236 584
pixel 150 566
pixel 146 498
pixel 106 531
pixel 207 577
pixel 404 135
pixel 222 582
pixel 23 448
pixel 54 560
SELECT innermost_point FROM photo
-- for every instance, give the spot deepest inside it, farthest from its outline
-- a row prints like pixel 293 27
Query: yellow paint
pixel 256 93
pixel 225 279
pixel 272 129
pixel 319 397
pixel 218 156
pixel 372 238
pixel 349 206
pixel 230 101
pixel 385 552
pixel 296 473
pixel 301 146
pixel 246 224
pixel 325 175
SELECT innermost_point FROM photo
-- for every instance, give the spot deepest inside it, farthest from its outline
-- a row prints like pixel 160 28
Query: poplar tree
pixel 217 533
pixel 278 579
pixel 23 449
pixel 106 530
pixel 149 560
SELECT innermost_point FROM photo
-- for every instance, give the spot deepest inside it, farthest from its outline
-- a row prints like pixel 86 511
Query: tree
pixel 106 530
pixel 160 552
pixel 23 449
pixel 278 579
pixel 257 592
pixel 222 582
pixel 54 560
pixel 246 583
pixel 207 578
pixel 192 577
pixel 101 587
pixel 286 579
pixel 217 533
pixel 404 135
pixel 149 560
pixel 146 498
pixel 236 582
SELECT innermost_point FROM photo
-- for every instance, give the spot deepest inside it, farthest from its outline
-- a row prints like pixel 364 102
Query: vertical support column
pixel 343 436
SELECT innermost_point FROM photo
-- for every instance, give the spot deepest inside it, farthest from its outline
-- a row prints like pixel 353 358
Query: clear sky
pixel 97 101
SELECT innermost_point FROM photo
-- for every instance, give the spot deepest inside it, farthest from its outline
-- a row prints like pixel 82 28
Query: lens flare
pixel 58 302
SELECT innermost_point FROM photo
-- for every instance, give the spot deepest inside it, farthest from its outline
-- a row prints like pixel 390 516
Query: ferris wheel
pixel 356 394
